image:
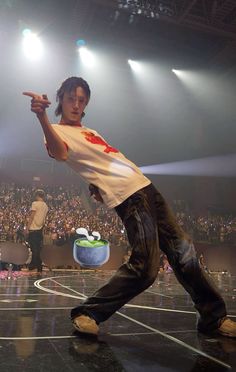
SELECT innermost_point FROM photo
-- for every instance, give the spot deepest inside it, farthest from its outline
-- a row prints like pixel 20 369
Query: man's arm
pixel 94 191
pixel 55 145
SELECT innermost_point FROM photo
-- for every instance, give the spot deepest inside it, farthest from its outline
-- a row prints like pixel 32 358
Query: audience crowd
pixel 69 210
pixel 209 228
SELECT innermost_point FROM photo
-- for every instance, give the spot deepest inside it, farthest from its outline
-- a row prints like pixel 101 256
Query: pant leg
pixel 35 242
pixel 180 251
pixel 139 272
pixel 140 213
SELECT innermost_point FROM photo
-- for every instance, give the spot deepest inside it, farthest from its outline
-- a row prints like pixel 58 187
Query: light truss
pixel 214 16
pixel 148 8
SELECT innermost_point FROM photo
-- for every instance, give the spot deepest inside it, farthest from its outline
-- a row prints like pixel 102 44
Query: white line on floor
pixel 34 308
pixel 176 340
pixel 64 286
pixel 69 307
pixel 161 309
pixel 171 338
pixel 38 285
pixel 23 294
pixel 36 338
pixel 158 294
pixel 167 310
pixel 132 334
pixel 64 337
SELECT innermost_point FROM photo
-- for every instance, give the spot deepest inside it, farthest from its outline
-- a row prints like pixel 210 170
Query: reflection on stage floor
pixel 154 332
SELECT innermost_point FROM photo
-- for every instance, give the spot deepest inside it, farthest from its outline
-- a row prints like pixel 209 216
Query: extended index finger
pixel 30 94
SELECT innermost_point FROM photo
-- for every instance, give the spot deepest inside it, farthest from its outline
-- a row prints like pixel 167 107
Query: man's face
pixel 73 104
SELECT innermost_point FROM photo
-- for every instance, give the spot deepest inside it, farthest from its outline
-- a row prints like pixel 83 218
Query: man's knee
pixel 147 274
pixel 186 252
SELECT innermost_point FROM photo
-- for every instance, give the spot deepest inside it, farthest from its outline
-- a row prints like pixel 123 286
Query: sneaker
pixel 85 324
pixel 227 328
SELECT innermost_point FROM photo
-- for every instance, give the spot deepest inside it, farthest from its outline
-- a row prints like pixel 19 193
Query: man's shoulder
pixel 39 203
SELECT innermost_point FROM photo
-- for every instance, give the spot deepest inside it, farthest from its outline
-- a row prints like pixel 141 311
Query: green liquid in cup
pixel 90 244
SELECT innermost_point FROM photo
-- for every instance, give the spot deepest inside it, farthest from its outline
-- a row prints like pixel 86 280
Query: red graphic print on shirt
pixel 96 140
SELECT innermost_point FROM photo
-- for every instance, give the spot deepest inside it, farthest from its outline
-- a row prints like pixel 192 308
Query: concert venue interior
pixel 162 75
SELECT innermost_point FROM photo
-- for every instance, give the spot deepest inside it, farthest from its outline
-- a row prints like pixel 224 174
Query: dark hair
pixel 40 193
pixel 70 85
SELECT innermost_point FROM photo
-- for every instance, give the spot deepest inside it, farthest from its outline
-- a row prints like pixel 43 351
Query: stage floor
pixel 154 332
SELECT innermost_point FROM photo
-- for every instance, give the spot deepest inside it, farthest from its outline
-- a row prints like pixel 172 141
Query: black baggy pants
pixel 35 241
pixel 150 224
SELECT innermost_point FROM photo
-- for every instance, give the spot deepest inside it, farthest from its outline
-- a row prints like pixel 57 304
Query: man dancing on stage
pixel 147 218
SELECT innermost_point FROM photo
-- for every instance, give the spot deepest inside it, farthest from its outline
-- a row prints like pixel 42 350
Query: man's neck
pixel 73 124
pixel 39 199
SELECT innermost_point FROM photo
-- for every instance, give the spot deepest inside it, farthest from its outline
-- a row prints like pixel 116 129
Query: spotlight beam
pixel 134 65
pixel 86 56
pixel 213 166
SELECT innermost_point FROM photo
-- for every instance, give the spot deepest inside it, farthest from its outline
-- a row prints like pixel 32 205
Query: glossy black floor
pixel 155 332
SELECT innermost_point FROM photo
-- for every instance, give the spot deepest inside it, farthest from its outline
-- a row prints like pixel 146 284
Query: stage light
pixel 32 45
pixel 134 65
pixel 178 73
pixel 26 32
pixel 80 43
pixel 86 56
pixel 185 76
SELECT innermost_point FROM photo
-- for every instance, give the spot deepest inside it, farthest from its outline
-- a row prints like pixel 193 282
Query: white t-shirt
pixel 41 210
pixel 100 164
